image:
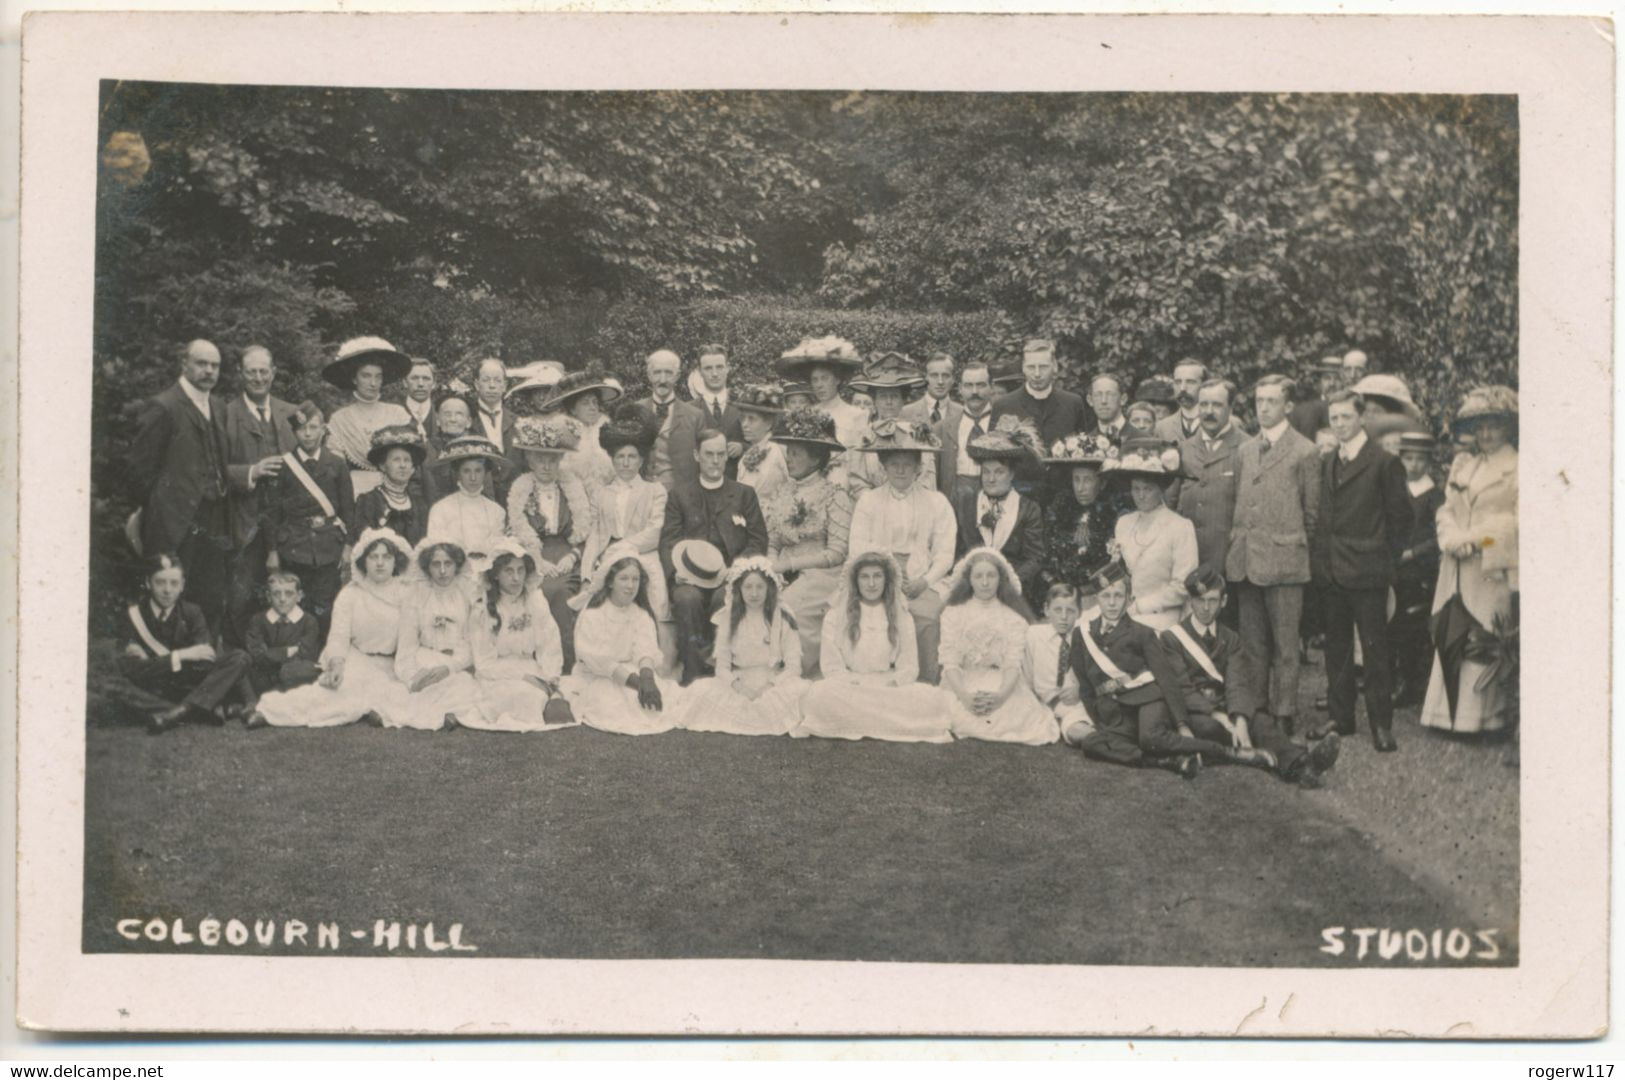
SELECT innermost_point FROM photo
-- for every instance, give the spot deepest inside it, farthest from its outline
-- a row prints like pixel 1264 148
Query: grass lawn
pixel 577 843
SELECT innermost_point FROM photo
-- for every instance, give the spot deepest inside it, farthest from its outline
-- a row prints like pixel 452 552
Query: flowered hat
pixel 359 351
pixel 899 434
pixel 808 426
pixel 472 447
pixel 1087 448
pixel 763 398
pixel 1145 458
pixel 698 563
pixel 535 397
pixel 1014 439
pixel 546 434
pixel 829 351
pixel 627 428
pixel 394 539
pixel 888 371
pixel 1483 402
pixel 758 564
pixel 1157 390
pixel 404 436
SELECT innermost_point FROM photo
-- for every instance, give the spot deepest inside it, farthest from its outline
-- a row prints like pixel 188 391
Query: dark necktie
pixel 936 412
pixel 1063 660
pixel 1207 643
pixel 716 413
pixel 977 430
pixel 1268 445
pixel 664 409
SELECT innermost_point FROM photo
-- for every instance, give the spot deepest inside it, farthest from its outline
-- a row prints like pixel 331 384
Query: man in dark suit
pixel 1181 424
pixel 177 465
pixel 998 517
pixel 1058 413
pixel 941 412
pixel 258 433
pixel 1309 411
pixel 1206 494
pixel 726 514
pixel 490 418
pixel 1211 665
pixel 1418 572
pixel 677 422
pixel 710 389
pixel 1361 531
pixel 419 400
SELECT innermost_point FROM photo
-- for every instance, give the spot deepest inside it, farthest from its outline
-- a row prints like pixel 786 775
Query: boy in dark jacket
pixel 312 504
pixel 285 641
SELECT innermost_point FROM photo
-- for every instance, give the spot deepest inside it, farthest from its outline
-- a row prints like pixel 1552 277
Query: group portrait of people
pixel 863 547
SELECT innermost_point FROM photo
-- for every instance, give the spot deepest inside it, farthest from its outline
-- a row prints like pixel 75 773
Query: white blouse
pixel 1159 549
pixel 434 628
pixel 472 522
pixel 613 642
pixel 757 644
pixel 527 644
pixel 873 653
pixel 366 617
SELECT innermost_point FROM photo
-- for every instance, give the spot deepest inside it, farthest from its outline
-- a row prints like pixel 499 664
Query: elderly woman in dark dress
pixel 397 453
pixel 1080 520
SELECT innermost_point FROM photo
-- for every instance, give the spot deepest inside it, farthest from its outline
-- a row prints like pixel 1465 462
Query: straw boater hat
pixel 809 427
pixel 472 447
pixel 888 371
pixel 1389 391
pixel 546 434
pixel 366 350
pixel 1419 441
pixel 402 436
pixel 1014 439
pixel 1145 458
pixel 765 399
pixel 1157 390
pixel 627 428
pixel 1487 402
pixel 830 352
pixel 899 434
pixel 1329 365
pixel 697 563
pixel 1089 449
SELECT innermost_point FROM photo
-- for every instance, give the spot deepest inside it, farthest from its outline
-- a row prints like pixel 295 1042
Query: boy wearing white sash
pixel 1212 668
pixel 311 505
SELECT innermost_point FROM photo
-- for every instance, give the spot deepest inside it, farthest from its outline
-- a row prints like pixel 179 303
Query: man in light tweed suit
pixel 1277 498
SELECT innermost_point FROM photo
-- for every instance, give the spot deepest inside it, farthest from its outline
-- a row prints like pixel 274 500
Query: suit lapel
pixel 1362 461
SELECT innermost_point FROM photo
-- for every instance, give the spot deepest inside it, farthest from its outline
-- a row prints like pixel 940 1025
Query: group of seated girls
pixel 418 640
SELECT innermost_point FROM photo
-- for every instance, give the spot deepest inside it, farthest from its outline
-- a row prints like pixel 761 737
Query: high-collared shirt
pixel 1273 435
pixel 715 404
pixel 262 413
pixel 197 397
pixel 1212 441
pixel 1420 487
pixel 294 614
pixel 937 405
pixel 490 420
pixel 1350 450
pixel 968 466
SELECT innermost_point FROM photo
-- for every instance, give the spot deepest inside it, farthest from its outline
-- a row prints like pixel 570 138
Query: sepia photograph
pixel 1063 528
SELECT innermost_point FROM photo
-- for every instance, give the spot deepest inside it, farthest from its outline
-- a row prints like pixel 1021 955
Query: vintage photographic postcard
pixel 815 525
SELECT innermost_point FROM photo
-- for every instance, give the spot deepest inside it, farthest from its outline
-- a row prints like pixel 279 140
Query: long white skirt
pixel 860 707
pixel 369 685
pixel 511 705
pixel 714 705
pixel 1021 719
pixel 457 694
pixel 610 706
pixel 807 600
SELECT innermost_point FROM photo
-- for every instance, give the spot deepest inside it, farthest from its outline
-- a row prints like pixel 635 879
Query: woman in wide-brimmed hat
pixel 364 366
pixel 807 521
pixel 585 397
pixel 518 652
pixel 995 514
pixel 397 453
pixel 358 662
pixel 892 380
pixel 467 517
pixel 824 364
pixel 549 513
pixel 1080 525
pixel 870 660
pixel 761 465
pixel 629 511
pixel 758 685
pixel 1157 545
pixel 1475 605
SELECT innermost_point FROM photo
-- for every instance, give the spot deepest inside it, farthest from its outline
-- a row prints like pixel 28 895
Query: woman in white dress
pixel 614 686
pixel 466 517
pixel 365 365
pixel 629 510
pixel 1475 602
pixel 549 513
pixel 434 658
pixel 1157 545
pixel 585 397
pixel 758 686
pixel 870 663
pixel 518 657
pixel 761 465
pixel 891 380
pixel 358 664
pixel 984 641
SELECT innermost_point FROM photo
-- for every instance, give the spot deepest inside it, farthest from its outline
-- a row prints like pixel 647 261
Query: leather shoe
pixel 1188 766
pixel 1383 740
pixel 165 720
pixel 255 720
pixel 1324 753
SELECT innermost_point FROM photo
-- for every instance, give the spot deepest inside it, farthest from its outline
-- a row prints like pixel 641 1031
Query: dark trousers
pixel 557 590
pixel 321 585
pixel 1410 638
pixel 1365 610
pixel 270 675
pixel 245 591
pixel 202 685
pixel 1129 734
pixel 207 559
pixel 691 615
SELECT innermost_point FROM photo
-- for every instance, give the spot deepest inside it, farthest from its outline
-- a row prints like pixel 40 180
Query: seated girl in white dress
pixel 758 686
pixel 614 686
pixel 870 662
pixel 984 639
pixel 434 658
pixel 358 664
pixel 518 655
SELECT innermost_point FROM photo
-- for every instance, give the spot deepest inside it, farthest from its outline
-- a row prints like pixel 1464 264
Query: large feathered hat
pixel 1013 438
pixel 888 371
pixel 1483 402
pixel 808 426
pixel 360 351
pixel 546 434
pixel 403 436
pixel 627 428
pixel 534 397
pixel 765 399
pixel 472 448
pixel 829 351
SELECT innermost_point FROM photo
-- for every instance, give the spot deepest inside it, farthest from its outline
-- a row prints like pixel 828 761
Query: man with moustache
pixel 258 433
pixel 419 401
pixel 1189 375
pixel 1207 493
pixel 958 474
pixel 177 466
pixel 492 420
pixel 677 422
